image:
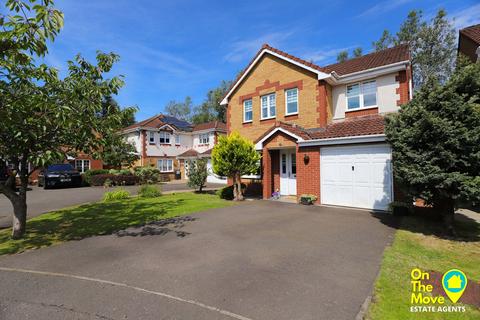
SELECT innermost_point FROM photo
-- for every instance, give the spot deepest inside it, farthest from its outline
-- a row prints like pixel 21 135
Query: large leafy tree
pixel 234 156
pixel 432 45
pixel 180 110
pixel 211 109
pixel 45 117
pixel 435 140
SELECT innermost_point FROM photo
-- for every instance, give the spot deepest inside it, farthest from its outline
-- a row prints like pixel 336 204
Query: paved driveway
pixel 258 260
pixel 40 201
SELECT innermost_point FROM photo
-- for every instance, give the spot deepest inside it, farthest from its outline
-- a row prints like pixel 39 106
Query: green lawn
pixel 417 244
pixel 104 218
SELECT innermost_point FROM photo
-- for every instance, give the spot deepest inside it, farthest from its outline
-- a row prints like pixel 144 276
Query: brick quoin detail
pixel 267 174
pixel 228 118
pixel 144 146
pixel 359 113
pixel 267 85
pixel 403 78
pixel 308 175
pixel 322 103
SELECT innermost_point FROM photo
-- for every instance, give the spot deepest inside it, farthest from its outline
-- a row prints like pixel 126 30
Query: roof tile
pixel 472 32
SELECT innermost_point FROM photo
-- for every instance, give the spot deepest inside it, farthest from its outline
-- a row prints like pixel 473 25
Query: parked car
pixel 62 174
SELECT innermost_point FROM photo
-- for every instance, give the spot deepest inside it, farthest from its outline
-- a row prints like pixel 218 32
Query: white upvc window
pixel 165 165
pixel 291 101
pixel 362 95
pixel 204 138
pixel 164 137
pixel 177 139
pixel 82 165
pixel 268 106
pixel 247 111
pixel 151 137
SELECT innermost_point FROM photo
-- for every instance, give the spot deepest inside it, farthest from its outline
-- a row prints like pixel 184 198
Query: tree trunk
pixel 19 218
pixel 238 187
pixel 446 207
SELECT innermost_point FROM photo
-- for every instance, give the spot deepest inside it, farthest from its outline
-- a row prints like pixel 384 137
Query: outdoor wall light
pixel 306 159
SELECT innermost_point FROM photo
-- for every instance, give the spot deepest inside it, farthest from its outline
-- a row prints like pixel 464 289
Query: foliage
pixel 197 174
pixel 103 218
pixel 147 175
pixel 234 156
pixel 149 191
pixel 357 52
pixel 432 46
pixel 115 179
pixel 417 244
pixel 118 194
pixel 227 192
pixel 308 198
pixel 180 110
pixel 342 56
pixel 119 171
pixel 211 109
pixel 87 176
pixel 435 141
pixel 45 117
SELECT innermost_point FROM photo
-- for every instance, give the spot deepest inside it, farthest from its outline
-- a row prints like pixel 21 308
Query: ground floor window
pixel 82 165
pixel 165 165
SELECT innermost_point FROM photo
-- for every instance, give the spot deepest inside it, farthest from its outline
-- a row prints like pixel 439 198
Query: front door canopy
pixel 259 144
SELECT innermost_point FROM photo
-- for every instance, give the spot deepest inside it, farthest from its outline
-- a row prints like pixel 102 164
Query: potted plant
pixel 399 208
pixel 308 199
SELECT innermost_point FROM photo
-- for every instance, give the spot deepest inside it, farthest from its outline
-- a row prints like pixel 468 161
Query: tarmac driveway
pixel 259 260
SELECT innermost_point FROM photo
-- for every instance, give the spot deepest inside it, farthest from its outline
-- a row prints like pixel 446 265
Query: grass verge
pixel 103 218
pixel 418 244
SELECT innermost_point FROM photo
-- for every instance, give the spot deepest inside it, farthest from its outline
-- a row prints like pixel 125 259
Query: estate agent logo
pixel 454 283
pixel 427 298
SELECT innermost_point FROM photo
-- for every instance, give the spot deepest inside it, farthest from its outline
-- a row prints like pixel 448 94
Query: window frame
pixel 269 106
pixel 161 166
pixel 245 112
pixel 177 139
pixel 202 140
pixel 83 168
pixel 286 102
pixel 151 137
pixel 361 96
pixel 166 136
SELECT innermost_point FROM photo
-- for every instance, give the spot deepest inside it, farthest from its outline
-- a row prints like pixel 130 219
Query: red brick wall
pixel 308 175
pixel 359 113
pixel 403 87
pixel 322 104
pixel 275 156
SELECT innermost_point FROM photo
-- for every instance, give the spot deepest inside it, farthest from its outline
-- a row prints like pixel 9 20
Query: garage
pixel 356 176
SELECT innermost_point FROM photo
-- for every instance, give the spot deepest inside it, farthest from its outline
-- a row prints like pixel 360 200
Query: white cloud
pixel 467 17
pixel 323 55
pixel 383 7
pixel 244 49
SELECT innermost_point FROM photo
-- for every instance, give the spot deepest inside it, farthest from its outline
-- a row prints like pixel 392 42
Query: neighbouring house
pixel 320 129
pixel 169 143
pixel 469 42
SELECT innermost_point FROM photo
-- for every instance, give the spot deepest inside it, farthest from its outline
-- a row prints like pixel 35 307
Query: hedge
pixel 116 179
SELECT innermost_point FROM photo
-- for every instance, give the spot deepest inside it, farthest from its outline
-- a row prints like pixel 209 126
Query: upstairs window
pixel 151 137
pixel 362 95
pixel 291 100
pixel 247 111
pixel 204 138
pixel 164 137
pixel 177 139
pixel 268 106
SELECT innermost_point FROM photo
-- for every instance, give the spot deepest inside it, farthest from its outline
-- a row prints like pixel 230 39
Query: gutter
pixel 343 140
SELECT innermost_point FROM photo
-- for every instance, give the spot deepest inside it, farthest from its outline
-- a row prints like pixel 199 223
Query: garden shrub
pixel 227 192
pixel 90 173
pixel 120 171
pixel 117 180
pixel 147 175
pixel 149 191
pixel 114 195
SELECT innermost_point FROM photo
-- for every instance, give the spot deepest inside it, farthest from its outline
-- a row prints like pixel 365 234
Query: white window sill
pixel 268 118
pixel 358 109
pixel 291 114
pixel 249 121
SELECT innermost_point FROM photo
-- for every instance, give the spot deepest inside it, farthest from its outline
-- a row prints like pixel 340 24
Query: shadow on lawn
pixel 427 222
pixel 86 221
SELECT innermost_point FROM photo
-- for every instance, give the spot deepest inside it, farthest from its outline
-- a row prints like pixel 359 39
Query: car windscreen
pixel 60 167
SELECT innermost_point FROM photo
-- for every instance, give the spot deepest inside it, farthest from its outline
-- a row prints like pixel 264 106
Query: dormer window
pixel 362 95
pixel 164 137
pixel 204 138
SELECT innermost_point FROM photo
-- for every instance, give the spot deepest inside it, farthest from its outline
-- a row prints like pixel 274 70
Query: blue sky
pixel 173 48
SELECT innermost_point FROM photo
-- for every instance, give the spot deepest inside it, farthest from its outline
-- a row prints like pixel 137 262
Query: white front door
pixel 357 176
pixel 288 172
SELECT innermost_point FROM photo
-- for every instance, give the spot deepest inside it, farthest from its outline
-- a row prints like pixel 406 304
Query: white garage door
pixel 359 176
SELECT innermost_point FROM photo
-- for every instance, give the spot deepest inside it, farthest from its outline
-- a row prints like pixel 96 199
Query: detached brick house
pixel 168 143
pixel 469 42
pixel 320 130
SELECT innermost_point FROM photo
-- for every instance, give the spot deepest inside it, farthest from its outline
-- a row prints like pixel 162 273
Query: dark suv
pixel 62 174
